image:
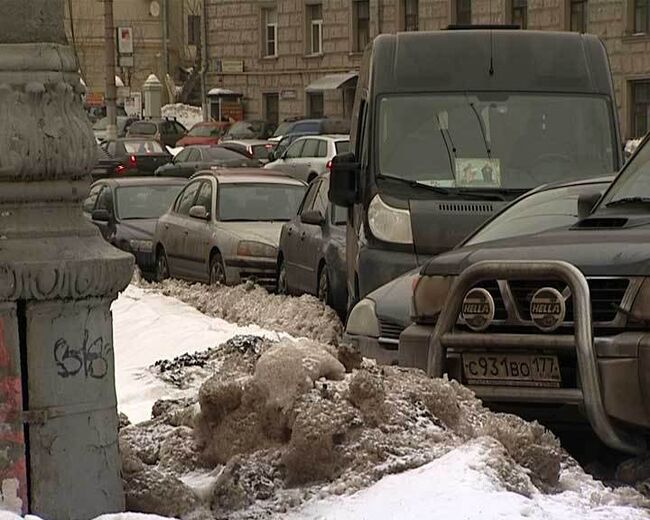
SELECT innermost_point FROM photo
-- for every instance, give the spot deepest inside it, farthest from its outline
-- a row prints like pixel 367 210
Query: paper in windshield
pixel 478 173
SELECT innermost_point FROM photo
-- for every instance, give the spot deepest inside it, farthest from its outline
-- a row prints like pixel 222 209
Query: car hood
pixel 137 228
pixel 265 232
pixel 393 300
pixel 596 252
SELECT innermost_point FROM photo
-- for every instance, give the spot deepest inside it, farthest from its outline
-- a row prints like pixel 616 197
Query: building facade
pixel 294 58
pixel 144 19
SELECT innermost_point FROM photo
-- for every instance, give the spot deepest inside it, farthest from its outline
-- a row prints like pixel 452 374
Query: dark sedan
pixel 376 322
pixel 311 257
pixel 137 156
pixel 126 211
pixel 195 158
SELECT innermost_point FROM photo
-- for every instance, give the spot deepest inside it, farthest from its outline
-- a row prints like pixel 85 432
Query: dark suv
pixel 167 131
pixel 554 326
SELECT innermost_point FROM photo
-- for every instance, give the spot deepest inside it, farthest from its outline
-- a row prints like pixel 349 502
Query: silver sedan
pixel 224 227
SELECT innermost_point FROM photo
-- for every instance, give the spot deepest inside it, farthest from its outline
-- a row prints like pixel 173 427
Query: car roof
pixel 247 175
pixel 141 181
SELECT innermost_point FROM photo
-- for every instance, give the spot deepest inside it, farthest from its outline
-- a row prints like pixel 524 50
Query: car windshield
pixel 219 153
pixel 205 131
pixel 342 146
pixel 143 128
pixel 259 202
pixel 143 202
pixel 634 181
pixel 245 129
pixel 537 212
pixel 283 128
pixel 142 147
pixel 494 140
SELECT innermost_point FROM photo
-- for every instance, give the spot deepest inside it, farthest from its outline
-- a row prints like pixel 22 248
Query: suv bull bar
pixel 589 393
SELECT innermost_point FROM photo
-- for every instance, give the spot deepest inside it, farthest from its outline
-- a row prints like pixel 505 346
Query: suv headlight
pixel 388 223
pixel 142 246
pixel 251 248
pixel 429 297
pixel 363 320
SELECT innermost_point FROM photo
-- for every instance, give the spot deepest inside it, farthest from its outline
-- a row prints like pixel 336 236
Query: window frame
pixel 177 202
pixel 415 6
pixel 459 13
pixel 357 45
pixel 266 25
pixel 314 22
pixel 645 28
pixel 521 7
pixel 633 107
pixel 570 15
pixel 193 29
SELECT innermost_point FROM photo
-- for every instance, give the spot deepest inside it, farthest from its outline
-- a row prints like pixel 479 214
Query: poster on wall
pixel 125 40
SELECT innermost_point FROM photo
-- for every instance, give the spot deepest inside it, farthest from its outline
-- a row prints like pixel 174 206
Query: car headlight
pixel 640 310
pixel 143 246
pixel 363 320
pixel 429 297
pixel 388 223
pixel 251 248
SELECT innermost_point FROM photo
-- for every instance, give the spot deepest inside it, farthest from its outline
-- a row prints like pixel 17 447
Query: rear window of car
pixel 206 131
pixel 142 147
pixel 145 202
pixel 245 129
pixel 342 146
pixel 259 202
pixel 312 126
pixel 143 129
pixel 261 151
pixel 221 154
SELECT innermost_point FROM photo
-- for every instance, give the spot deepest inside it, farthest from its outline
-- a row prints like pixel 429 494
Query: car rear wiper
pixel 413 183
pixel 628 200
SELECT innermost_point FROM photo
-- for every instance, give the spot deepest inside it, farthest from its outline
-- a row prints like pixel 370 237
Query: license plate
pixel 511 369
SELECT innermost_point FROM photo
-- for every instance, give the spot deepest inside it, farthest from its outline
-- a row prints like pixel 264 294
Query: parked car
pixel 137 156
pixel 279 147
pixel 205 132
pixel 167 131
pixel 311 126
pixel 311 258
pixel 126 210
pixel 308 157
pixel 376 322
pixel 553 324
pixel 123 123
pixel 225 226
pixel 106 165
pixel 249 130
pixel 194 158
pixel 257 148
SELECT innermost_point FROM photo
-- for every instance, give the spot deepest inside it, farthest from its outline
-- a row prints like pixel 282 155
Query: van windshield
pixel 494 140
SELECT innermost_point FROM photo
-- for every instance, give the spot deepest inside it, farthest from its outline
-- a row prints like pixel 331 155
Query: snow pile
pixel 186 115
pixel 174 151
pixel 303 316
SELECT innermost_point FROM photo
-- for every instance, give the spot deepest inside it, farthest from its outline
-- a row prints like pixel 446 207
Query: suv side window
pixel 295 149
pixel 310 149
pixel 89 203
pixel 308 201
pixel 186 199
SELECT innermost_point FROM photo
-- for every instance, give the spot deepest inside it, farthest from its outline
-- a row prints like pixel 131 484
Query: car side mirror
pixel 101 215
pixel 586 203
pixel 344 180
pixel 199 212
pixel 312 217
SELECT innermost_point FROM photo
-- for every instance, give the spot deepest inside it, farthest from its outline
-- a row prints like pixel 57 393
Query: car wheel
pixel 324 286
pixel 283 286
pixel 162 266
pixel 217 270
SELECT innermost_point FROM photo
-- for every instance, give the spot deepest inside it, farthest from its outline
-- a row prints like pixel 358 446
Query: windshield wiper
pixel 628 200
pixel 413 183
pixel 480 124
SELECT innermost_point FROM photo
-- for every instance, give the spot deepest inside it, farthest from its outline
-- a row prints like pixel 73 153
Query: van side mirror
pixel 313 217
pixel 586 203
pixel 344 180
pixel 199 212
pixel 101 215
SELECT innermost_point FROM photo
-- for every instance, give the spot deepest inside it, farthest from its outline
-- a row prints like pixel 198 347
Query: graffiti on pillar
pixel 90 359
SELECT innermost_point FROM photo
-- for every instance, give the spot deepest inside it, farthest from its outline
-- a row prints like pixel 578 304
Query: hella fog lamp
pixel 363 320
pixel 388 223
pixel 429 296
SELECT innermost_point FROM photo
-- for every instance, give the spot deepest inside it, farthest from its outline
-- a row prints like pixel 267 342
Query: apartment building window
pixel 315 105
pixel 464 12
pixel 578 15
pixel 411 18
pixel 641 16
pixel 519 14
pixel 315 28
pixel 272 108
pixel 361 20
pixel 640 108
pixel 270 22
pixel 193 29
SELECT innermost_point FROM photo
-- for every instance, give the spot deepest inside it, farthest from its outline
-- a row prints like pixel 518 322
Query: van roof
pixel 492 60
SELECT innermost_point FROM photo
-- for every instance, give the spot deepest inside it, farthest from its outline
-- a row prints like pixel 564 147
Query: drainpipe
pixel 204 60
pixel 165 49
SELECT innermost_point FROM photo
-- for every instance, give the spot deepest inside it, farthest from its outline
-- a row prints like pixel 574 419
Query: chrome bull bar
pixel 443 336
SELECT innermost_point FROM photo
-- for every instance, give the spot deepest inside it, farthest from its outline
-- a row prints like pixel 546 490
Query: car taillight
pixel 328 166
pixel 119 169
pixel 132 161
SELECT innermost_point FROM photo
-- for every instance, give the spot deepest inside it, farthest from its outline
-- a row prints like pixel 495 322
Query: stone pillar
pixel 152 96
pixel 58 419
